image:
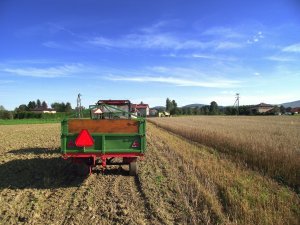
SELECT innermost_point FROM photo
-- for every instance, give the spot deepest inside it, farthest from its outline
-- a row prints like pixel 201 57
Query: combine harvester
pixel 110 133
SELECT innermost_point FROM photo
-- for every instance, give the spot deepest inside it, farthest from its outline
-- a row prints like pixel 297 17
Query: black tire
pixel 133 168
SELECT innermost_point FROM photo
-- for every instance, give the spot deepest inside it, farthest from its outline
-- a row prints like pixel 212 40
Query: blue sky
pixel 190 51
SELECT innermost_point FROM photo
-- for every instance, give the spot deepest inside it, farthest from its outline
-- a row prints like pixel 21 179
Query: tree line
pixel 173 109
pixel 214 109
pixel 30 110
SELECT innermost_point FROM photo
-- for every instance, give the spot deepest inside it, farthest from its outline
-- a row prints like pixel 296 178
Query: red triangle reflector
pixel 135 144
pixel 84 139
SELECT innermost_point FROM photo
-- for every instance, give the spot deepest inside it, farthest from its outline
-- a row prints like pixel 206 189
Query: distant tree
pixel 2 108
pixel 275 110
pixel 282 109
pixel 44 105
pixel 205 110
pixel 213 108
pixel 197 111
pixel 168 105
pixel 288 109
pixel 142 103
pixel 59 107
pixel 22 108
pixel 173 109
pixel 179 111
pixel 31 105
pixel 4 114
pixel 62 107
pixel 68 107
pixel 38 103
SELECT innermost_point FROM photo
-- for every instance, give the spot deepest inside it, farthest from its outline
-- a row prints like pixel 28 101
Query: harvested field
pixel 178 183
pixel 270 144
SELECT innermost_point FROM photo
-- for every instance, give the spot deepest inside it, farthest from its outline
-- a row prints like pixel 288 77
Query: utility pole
pixel 79 109
pixel 237 103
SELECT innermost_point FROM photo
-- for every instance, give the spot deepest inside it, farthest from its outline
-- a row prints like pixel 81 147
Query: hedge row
pixel 30 115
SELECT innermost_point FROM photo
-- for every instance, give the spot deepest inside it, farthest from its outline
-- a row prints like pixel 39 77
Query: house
pixel 153 112
pixel 295 110
pixel 164 114
pixel 140 109
pixel 262 108
pixel 43 110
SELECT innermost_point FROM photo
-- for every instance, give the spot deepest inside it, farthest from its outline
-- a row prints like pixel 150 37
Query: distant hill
pixel 291 104
pixel 193 105
pixel 159 107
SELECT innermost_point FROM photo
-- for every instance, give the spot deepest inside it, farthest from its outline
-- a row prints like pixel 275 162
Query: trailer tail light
pixel 135 144
pixel 84 139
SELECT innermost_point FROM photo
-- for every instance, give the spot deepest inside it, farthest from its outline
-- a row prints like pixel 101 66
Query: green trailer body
pixel 104 142
pixel 111 132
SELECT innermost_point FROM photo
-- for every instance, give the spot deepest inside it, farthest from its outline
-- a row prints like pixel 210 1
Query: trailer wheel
pixel 133 168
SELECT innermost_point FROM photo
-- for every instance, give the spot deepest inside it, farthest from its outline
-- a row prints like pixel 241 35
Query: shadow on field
pixel 35 151
pixel 40 173
pixel 115 171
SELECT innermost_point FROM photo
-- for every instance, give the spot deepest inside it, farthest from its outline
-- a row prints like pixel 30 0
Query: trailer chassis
pixel 93 159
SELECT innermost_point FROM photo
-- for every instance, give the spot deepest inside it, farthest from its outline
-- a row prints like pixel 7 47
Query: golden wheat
pixel 268 144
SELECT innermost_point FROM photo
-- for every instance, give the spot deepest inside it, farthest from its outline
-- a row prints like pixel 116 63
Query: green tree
pixel 275 110
pixel 22 108
pixel 44 105
pixel 213 108
pixel 68 107
pixel 282 109
pixel 59 107
pixel 206 110
pixel 168 105
pixel 62 107
pixel 173 109
pixel 4 114
pixel 2 108
pixel 38 103
pixel 31 105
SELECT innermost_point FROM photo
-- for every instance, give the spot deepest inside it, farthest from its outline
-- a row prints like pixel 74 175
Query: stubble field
pixel 179 182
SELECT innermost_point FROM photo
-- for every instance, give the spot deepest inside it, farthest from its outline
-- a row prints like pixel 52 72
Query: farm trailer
pixel 111 132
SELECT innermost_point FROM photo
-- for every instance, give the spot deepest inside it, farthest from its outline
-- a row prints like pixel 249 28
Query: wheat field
pixel 270 145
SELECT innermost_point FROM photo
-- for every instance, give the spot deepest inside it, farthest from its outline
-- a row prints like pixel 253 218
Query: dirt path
pixel 38 187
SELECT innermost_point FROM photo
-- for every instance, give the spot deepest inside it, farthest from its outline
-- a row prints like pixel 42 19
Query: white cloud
pixel 292 48
pixel 228 45
pixel 256 38
pixel 178 81
pixel 150 41
pixel 281 58
pixel 161 41
pixel 52 44
pixel 50 72
pixel 202 56
pixel 154 37
pixel 224 32
pixel 163 24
